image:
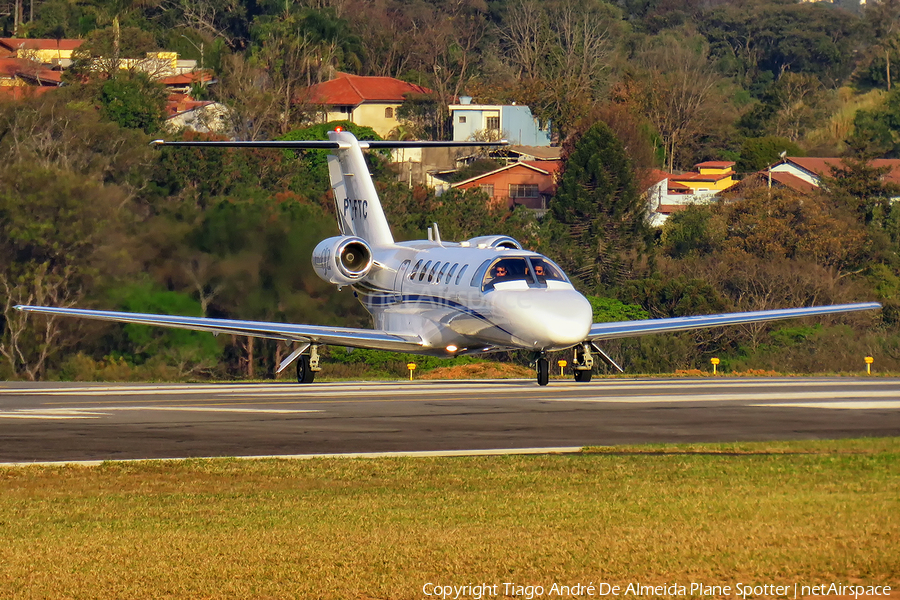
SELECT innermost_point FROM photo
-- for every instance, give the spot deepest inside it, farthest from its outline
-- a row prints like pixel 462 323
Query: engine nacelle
pixel 342 260
pixel 495 241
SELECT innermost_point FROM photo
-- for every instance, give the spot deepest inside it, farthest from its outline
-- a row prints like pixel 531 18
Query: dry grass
pixel 767 513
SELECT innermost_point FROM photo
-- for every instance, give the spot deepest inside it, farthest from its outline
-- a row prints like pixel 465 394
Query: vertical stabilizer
pixel 358 207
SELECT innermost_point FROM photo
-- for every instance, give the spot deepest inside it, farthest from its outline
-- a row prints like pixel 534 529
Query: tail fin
pixel 358 207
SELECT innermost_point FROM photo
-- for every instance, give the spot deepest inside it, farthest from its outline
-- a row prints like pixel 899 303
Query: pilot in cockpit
pixel 500 272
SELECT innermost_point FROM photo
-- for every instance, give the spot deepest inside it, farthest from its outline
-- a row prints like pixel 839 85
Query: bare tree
pixel 680 92
pixel 526 38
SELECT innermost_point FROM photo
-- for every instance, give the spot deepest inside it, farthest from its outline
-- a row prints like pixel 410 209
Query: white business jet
pixel 433 297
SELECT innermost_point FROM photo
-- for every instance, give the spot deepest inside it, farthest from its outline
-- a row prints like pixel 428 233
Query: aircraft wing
pixel 337 336
pixel 623 329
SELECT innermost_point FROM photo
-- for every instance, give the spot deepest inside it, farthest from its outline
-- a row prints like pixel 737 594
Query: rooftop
pixel 353 90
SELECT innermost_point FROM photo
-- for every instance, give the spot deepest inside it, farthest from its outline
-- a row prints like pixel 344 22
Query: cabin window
pixel 440 275
pixel 433 270
pixel 415 270
pixel 450 274
pixel 424 270
pixel 461 271
pixel 523 190
pixel 389 113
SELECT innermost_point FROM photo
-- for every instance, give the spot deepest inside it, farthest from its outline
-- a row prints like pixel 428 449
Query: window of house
pixel 389 113
pixel 523 190
pixel 462 120
pixel 492 123
pixel 488 188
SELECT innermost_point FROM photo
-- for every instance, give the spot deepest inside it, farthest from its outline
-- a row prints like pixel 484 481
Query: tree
pixel 54 228
pixel 134 101
pixel 760 152
pixel 599 203
pixel 682 93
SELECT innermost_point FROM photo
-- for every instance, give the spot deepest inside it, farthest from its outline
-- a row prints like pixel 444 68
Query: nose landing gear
pixel 542 365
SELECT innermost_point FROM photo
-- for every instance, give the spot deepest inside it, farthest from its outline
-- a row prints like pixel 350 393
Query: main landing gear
pixel 308 365
pixel 583 363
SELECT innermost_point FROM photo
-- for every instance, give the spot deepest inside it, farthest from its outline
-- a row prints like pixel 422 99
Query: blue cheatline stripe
pixel 387 298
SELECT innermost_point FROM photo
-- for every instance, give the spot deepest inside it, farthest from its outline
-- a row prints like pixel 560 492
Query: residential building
pixel 183 112
pixel 710 177
pixel 368 101
pixel 667 193
pixel 45 51
pixel 493 122
pixel 811 170
pixel 525 183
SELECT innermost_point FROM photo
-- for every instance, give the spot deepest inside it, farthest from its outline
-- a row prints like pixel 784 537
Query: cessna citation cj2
pixel 433 297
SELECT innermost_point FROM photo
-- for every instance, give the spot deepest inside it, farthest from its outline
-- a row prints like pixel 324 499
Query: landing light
pixel 452 348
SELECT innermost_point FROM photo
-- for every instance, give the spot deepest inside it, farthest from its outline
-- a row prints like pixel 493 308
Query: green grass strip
pixel 768 513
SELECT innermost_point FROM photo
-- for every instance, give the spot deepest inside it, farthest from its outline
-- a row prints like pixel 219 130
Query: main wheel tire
pixel 304 373
pixel 583 376
pixel 543 371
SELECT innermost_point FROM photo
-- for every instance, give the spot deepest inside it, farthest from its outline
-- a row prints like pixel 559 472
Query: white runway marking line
pixel 403 388
pixel 666 399
pixel 858 405
pixel 357 455
pixel 95 412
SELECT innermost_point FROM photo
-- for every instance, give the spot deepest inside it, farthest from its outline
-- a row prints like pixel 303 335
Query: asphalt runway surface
pixel 73 422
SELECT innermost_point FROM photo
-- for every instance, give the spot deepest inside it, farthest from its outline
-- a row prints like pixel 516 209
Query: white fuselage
pixel 445 293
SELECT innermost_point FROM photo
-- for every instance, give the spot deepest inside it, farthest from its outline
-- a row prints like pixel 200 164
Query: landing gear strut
pixel 583 363
pixel 308 366
pixel 543 370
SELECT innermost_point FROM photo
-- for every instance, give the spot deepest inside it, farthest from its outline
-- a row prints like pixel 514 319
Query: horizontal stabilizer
pixel 324 145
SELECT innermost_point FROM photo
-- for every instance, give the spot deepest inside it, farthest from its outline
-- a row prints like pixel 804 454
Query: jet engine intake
pixel 342 260
pixel 495 241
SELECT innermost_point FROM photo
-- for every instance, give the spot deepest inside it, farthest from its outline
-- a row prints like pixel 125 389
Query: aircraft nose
pixel 548 319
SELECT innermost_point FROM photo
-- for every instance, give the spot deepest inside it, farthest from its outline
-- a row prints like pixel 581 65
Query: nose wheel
pixel 543 370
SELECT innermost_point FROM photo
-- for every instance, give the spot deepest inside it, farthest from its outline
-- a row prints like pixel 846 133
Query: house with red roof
pixel 805 173
pixel 46 51
pixel 368 101
pixel 527 183
pixel 23 73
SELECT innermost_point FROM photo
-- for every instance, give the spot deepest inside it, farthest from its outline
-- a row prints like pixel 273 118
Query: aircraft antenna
pixel 437 234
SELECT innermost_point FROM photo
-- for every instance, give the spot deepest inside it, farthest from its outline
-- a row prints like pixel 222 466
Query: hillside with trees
pixel 91 216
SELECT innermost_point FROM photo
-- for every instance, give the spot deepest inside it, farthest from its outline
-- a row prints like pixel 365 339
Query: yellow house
pixel 710 176
pixel 368 101
pixel 46 51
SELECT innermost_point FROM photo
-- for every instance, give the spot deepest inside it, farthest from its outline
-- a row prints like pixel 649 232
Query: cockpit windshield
pixel 545 270
pixel 533 271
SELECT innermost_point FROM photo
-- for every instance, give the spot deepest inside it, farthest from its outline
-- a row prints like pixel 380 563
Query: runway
pixel 75 422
